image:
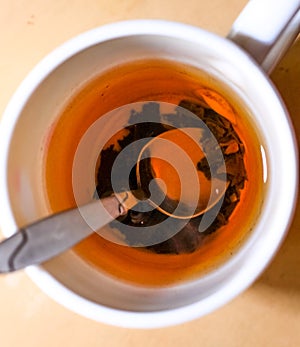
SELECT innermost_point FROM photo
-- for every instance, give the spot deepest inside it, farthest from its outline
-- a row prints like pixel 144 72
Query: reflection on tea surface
pixel 219 158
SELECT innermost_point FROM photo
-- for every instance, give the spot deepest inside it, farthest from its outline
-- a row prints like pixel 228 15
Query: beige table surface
pixel 267 314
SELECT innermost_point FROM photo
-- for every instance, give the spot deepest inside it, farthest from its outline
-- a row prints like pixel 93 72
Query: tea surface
pixel 160 81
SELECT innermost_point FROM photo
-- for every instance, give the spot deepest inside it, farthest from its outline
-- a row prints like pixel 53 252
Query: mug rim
pixel 41 277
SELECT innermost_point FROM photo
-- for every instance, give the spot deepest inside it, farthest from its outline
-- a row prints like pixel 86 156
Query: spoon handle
pixel 46 238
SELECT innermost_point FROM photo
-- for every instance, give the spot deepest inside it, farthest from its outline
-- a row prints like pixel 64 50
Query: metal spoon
pixel 46 238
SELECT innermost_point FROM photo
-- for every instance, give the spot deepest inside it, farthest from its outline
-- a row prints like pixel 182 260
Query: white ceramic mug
pixel 264 29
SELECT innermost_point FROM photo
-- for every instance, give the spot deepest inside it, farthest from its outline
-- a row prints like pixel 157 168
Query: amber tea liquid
pixel 165 81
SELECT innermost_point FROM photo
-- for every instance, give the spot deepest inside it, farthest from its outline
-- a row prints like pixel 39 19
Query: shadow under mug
pixel 33 109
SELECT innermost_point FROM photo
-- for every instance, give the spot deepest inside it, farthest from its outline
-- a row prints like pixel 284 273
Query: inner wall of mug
pixel 39 116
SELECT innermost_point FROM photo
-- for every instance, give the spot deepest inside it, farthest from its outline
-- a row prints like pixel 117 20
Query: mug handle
pixel 266 29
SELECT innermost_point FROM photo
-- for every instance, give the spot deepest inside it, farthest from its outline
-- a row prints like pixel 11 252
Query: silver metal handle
pixel 44 239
